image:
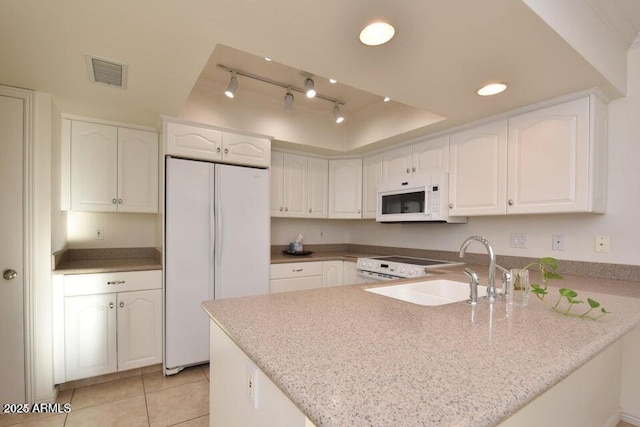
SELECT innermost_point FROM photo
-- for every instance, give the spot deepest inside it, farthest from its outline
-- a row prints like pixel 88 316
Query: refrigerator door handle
pixel 218 231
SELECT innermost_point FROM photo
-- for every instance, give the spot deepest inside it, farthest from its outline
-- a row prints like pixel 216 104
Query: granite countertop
pixel 349 357
pixel 88 261
pixel 280 258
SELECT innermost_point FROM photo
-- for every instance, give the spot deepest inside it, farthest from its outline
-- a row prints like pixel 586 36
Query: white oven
pixel 398 267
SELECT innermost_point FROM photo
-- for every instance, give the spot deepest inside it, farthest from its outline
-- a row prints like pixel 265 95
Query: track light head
pixel 337 115
pixel 232 87
pixel 309 87
pixel 288 101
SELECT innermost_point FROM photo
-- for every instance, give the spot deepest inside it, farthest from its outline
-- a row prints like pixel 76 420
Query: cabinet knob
pixel 110 305
pixel 226 151
pixel 408 170
pixel 450 205
pixel 280 208
pixel 114 201
pixel 121 304
pixel 413 169
pixel 119 201
pixel 309 210
pixel 510 202
pixel 297 270
pixel 9 274
pixel 286 209
pixel 218 150
pixel 358 210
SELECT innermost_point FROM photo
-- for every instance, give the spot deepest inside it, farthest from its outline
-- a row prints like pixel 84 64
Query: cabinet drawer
pixel 102 283
pixel 295 284
pixel 296 269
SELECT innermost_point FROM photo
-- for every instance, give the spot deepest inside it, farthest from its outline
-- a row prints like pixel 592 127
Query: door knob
pixel 9 274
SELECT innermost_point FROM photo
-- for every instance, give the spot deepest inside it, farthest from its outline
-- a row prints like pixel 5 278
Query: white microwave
pixel 424 198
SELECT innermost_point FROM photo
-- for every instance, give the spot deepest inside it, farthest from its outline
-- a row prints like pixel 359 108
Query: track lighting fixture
pixel 337 115
pixel 308 90
pixel 232 87
pixel 309 87
pixel 288 101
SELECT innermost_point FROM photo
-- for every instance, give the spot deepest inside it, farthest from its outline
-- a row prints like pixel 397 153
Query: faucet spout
pixel 492 294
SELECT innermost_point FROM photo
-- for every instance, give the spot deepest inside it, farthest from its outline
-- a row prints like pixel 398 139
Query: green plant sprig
pixel 548 267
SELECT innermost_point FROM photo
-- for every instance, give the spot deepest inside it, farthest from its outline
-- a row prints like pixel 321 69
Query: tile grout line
pixel 146 405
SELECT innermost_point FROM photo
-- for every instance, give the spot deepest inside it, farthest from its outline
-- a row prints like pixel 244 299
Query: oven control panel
pixel 389 268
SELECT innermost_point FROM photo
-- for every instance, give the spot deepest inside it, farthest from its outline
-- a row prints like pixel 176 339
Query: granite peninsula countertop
pixel 88 261
pixel 344 356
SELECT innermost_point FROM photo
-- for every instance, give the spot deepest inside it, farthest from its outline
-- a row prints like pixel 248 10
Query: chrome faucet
pixel 492 294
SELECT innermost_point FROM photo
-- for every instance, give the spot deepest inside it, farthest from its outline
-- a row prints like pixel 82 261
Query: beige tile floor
pixel 142 397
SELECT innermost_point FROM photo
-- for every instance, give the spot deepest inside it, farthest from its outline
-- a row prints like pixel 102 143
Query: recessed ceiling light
pixel 267 59
pixel 387 99
pixel 333 81
pixel 377 33
pixel 492 89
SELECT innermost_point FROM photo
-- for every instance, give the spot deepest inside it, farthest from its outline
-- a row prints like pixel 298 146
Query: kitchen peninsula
pixel 344 356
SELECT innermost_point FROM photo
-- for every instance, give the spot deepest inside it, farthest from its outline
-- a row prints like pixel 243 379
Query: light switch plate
pixel 602 243
pixel 557 243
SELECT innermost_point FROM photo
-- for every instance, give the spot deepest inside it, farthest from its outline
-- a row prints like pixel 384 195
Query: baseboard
pixel 631 419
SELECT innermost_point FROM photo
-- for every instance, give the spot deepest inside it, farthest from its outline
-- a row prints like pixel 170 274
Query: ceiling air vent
pixel 107 71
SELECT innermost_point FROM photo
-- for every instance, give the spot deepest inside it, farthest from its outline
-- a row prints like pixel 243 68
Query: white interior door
pixel 12 369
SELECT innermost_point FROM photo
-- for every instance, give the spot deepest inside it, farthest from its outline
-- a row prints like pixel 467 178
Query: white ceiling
pixel 443 51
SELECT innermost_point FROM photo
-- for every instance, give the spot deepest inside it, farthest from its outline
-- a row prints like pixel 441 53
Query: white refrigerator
pixel 217 245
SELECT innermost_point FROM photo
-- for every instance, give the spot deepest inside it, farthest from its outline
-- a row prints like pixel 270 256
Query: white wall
pixel 285 230
pixel 121 230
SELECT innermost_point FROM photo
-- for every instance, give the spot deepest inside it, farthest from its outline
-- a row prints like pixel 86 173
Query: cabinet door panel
pixel 276 175
pixel 94 167
pixel 137 171
pixel 397 163
pixel 318 186
pixel 371 178
pixel 192 142
pixel 90 335
pixel 478 170
pixel 345 188
pixel 431 156
pixel 295 185
pixel 332 273
pixel 139 329
pixel 245 150
pixel 548 159
pixel 350 274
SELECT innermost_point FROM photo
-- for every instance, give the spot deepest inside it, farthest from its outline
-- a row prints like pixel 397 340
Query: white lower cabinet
pixel 298 276
pixel 90 335
pixel 332 273
pixel 106 331
pixel 139 329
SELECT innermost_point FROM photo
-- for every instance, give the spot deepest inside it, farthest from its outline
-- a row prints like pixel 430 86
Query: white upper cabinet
pixel 556 160
pixel 431 156
pixel 345 188
pixel 192 142
pixel 371 178
pixel 397 163
pixel 426 157
pixel 478 170
pixel 137 171
pixel 245 150
pixel 551 160
pixel 94 167
pixel 112 168
pixel 202 142
pixel 318 187
pixel 288 185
